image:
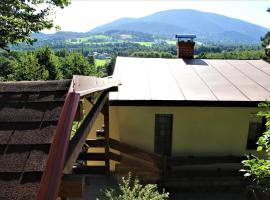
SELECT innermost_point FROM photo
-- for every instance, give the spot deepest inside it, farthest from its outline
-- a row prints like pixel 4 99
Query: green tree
pixel 91 60
pixel 76 63
pixel 29 69
pixel 8 65
pixel 47 59
pixel 20 18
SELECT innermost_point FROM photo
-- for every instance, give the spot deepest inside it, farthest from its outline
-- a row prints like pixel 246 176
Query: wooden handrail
pixel 135 151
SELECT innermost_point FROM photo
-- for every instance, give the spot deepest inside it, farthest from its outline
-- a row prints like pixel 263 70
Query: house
pixel 190 110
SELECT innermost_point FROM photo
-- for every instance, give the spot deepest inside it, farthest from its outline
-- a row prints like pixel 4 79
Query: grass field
pixel 100 62
pixel 147 44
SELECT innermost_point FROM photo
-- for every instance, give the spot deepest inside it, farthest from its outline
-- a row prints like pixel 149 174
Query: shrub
pixel 258 169
pixel 133 190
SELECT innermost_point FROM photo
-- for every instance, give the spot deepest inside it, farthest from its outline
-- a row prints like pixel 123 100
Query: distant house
pixel 189 107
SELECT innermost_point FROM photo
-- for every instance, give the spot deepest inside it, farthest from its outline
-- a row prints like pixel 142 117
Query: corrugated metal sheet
pixel 193 79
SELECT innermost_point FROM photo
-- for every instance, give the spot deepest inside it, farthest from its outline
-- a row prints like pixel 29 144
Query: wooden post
pixel 107 134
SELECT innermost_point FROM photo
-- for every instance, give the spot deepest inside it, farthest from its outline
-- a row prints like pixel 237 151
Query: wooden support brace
pixel 76 144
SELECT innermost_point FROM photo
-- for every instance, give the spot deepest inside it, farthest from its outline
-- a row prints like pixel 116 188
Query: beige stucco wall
pixel 196 130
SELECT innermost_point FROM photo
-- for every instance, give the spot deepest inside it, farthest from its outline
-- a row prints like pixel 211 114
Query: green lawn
pixel 100 62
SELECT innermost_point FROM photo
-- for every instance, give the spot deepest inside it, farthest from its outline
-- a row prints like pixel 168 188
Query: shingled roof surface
pixel 29 113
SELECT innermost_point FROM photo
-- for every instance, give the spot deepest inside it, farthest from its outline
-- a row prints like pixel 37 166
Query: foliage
pixel 258 169
pixel 152 54
pixel 235 54
pixel 18 19
pixel 30 69
pixel 129 189
pixel 49 61
pixel 45 64
pixel 76 63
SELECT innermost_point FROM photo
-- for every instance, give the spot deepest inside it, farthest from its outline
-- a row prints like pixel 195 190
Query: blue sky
pixel 84 15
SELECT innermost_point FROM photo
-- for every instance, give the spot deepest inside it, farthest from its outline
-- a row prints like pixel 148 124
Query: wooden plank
pixel 90 170
pixel 92 156
pixel 135 151
pixel 78 140
pixel 115 157
pixel 133 162
pixel 95 142
pixel 106 130
pixel 72 185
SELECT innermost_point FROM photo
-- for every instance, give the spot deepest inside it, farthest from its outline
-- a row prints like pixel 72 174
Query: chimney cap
pixel 185 36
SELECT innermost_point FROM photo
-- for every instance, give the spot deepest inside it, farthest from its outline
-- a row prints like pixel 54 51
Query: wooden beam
pixel 135 152
pixel 90 170
pixel 92 156
pixel 76 144
pixel 95 142
pixel 72 185
pixel 115 157
pixel 106 130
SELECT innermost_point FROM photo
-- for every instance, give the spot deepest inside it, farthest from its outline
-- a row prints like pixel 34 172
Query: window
pixel 163 134
pixel 256 128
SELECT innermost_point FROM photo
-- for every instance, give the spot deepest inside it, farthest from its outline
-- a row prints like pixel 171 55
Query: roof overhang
pixel 172 103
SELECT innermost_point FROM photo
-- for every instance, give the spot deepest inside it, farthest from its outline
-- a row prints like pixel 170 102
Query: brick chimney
pixel 185 45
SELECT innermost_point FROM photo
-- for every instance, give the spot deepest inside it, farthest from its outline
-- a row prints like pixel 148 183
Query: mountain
pixel 207 26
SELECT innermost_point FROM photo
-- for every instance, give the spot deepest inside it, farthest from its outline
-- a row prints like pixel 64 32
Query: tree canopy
pixel 20 18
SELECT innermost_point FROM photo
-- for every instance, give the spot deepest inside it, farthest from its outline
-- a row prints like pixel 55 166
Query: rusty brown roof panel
pixel 218 84
pixel 192 86
pixel 261 65
pixel 195 80
pixel 254 74
pixel 247 86
pixel 162 90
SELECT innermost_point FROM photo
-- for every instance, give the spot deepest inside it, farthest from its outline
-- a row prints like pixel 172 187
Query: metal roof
pixel 191 79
